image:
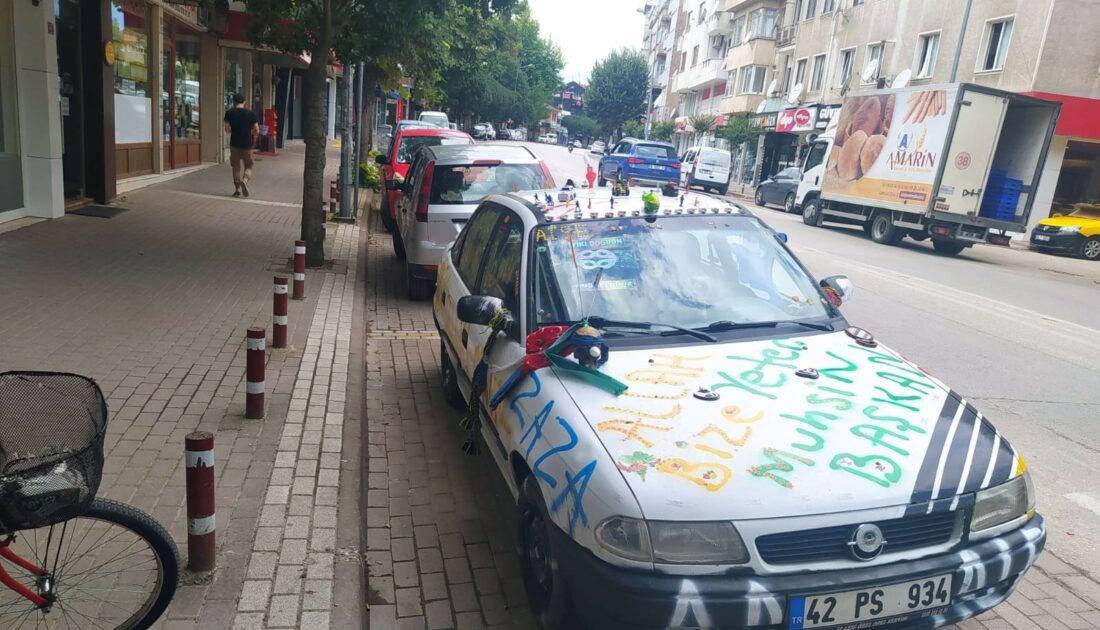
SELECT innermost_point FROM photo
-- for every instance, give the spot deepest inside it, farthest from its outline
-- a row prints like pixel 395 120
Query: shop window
pixel 11 169
pixel 133 103
pixel 187 87
pixel 998 34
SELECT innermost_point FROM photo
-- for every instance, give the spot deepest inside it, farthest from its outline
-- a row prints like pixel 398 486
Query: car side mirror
pixel 839 286
pixel 781 236
pixel 381 159
pixel 479 309
pixel 395 184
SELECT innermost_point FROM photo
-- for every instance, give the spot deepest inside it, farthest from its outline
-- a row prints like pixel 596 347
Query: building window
pixel 695 56
pixel 738 31
pixel 929 47
pixel 800 72
pixel 731 84
pixel 818 76
pixel 787 76
pixel 752 79
pixel 856 3
pixel 762 23
pixel 997 37
pixel 874 54
pixel 702 13
pixel 811 8
pixel 844 68
pixel 797 11
pixel 828 6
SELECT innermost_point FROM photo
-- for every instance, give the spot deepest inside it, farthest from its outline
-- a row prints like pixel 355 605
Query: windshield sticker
pixel 596 259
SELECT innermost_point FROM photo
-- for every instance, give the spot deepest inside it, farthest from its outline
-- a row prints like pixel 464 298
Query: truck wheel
pixel 547 591
pixel 449 378
pixel 723 190
pixel 951 248
pixel 811 212
pixel 1090 249
pixel 883 231
pixel 788 203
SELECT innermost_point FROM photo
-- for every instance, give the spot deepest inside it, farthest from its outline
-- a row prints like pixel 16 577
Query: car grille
pixel 1049 229
pixel 831 543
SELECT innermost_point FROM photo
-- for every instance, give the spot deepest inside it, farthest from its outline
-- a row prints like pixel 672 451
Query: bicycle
pixel 86 562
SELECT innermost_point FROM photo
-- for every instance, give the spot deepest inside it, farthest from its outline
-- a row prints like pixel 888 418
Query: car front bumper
pixel 984 574
pixel 1062 243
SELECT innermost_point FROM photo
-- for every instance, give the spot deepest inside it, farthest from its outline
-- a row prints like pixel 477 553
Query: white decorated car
pixel 697 438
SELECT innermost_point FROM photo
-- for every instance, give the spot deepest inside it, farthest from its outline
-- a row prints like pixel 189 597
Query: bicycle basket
pixel 52 427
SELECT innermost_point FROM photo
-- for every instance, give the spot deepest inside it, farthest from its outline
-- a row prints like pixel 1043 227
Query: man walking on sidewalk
pixel 242 126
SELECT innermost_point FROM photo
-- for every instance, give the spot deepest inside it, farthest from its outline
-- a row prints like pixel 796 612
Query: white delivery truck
pixel 956 163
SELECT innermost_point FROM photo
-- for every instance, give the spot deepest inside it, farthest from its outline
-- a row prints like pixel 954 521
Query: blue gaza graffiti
pixel 574 485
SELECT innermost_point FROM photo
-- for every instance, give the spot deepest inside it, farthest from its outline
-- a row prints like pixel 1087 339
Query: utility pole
pixel 959 43
pixel 357 133
pixel 346 171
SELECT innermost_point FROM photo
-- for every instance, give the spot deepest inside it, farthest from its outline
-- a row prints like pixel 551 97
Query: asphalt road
pixel 1015 332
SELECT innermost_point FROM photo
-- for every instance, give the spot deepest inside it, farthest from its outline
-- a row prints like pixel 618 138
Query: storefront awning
pixel 1079 117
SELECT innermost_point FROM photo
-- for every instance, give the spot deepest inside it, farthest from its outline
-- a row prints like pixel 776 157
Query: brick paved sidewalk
pixel 440 550
pixel 154 304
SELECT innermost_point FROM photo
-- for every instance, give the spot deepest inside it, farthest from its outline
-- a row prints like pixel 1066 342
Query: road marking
pixel 1085 500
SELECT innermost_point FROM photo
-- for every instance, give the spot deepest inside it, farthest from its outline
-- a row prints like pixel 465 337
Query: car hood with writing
pixel 795 426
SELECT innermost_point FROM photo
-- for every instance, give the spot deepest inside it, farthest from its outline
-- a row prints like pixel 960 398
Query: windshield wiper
pixel 723 325
pixel 602 322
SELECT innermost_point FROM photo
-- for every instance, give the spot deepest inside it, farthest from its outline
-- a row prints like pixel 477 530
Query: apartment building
pixel 659 47
pixel 790 63
pixel 700 80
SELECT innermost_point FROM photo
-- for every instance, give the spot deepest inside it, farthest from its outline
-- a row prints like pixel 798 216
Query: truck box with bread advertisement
pixel 946 152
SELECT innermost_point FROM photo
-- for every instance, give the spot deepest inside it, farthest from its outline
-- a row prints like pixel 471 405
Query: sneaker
pixel 236 193
pixel 244 188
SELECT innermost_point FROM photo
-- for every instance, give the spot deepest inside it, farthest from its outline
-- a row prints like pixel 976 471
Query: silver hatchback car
pixel 444 186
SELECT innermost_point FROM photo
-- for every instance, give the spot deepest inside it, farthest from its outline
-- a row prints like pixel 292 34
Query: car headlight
pixel 672 542
pixel 1070 229
pixel 1001 504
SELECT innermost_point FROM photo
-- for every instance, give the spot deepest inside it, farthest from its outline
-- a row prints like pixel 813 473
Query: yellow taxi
pixel 1076 233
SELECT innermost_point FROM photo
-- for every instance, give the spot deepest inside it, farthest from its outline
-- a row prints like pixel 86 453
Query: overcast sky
pixel 587 30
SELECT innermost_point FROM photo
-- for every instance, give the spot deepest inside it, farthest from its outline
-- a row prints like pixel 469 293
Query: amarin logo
pixel 910 154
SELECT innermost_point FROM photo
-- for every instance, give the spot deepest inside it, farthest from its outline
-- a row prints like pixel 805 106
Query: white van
pixel 706 167
pixel 439 119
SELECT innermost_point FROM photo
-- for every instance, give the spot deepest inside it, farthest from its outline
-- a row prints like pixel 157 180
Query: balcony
pixel 759 51
pixel 703 74
pixel 785 36
pixel 719 24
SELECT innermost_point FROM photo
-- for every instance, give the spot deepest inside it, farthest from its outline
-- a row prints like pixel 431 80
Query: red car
pixel 395 162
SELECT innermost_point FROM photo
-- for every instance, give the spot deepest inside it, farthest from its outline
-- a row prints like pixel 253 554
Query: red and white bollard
pixel 201 548
pixel 299 270
pixel 254 373
pixel 279 318
pixel 333 195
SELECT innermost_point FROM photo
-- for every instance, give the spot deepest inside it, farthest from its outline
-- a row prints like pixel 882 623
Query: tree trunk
pixel 313 174
pixel 370 79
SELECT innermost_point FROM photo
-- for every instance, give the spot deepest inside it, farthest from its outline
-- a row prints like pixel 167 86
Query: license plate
pixel 853 608
pixel 656 167
pixel 1042 237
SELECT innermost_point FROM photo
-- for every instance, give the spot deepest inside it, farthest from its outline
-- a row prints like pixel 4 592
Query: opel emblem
pixel 867 542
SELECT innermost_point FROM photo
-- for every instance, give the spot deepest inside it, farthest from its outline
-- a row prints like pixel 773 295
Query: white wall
pixel 39 112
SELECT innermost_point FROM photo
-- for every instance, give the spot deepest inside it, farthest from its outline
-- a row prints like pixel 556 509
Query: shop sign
pixel 825 113
pixel 765 121
pixel 796 119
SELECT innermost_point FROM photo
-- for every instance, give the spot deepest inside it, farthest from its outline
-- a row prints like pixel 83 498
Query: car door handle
pixel 816 178
pixel 465 337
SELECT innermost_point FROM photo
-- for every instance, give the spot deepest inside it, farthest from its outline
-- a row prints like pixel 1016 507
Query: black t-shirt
pixel 241 120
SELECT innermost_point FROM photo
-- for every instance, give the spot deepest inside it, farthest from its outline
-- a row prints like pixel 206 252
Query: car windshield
pixel 1086 212
pixel 469 184
pixel 655 151
pixel 690 271
pixel 409 144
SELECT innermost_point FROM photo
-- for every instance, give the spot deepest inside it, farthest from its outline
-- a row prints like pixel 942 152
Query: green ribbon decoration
pixel 603 381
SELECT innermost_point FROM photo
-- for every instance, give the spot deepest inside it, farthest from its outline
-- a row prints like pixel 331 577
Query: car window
pixel 655 151
pixel 789 173
pixel 409 144
pixel 469 184
pixel 500 273
pixel 815 156
pixel 475 240
pixel 622 147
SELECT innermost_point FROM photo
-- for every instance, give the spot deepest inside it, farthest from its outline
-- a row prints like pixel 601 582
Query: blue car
pixel 641 163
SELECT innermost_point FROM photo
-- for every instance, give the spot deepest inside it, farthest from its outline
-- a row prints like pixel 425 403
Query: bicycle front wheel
pixel 111 567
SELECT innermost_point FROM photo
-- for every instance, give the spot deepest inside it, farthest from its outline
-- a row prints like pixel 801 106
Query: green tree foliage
pixel 389 36
pixel 633 129
pixel 738 130
pixel 662 130
pixel 703 123
pixel 581 126
pixel 617 89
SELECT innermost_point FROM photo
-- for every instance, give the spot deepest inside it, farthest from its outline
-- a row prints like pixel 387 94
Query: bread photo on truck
pixel 956 163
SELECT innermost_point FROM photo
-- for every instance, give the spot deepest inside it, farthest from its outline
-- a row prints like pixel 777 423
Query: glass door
pixel 180 97
pixel 70 74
